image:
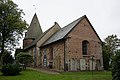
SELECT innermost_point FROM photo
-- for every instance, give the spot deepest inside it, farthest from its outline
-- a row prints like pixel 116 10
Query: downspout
pixel 102 66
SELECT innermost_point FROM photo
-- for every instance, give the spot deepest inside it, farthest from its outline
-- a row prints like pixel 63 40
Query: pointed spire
pixel 34 29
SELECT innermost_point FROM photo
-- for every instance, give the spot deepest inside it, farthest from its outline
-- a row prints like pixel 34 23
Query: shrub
pixel 11 69
pixel 24 58
pixel 116 66
pixel 7 58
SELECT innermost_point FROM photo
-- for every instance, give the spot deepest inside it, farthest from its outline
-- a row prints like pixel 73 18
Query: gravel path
pixel 45 70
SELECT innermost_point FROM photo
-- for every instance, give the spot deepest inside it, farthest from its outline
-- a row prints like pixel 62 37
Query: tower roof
pixel 34 30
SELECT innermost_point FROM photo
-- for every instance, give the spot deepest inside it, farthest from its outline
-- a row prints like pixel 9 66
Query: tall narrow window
pixel 45 59
pixel 85 47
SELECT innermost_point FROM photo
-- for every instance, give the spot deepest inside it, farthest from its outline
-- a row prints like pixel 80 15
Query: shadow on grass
pixel 1 74
pixel 11 75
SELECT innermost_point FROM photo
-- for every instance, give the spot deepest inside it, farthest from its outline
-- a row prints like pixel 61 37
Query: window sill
pixel 86 55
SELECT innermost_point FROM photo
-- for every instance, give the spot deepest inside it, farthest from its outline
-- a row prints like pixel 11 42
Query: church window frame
pixel 85 47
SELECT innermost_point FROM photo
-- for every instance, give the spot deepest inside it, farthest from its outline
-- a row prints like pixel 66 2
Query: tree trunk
pixel 24 67
pixel 3 40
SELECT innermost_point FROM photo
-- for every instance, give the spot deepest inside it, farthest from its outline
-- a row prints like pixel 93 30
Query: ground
pixel 37 74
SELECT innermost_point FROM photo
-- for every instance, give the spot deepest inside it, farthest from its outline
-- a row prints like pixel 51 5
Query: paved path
pixel 44 70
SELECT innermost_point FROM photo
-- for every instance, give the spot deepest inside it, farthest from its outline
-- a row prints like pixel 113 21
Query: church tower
pixel 33 31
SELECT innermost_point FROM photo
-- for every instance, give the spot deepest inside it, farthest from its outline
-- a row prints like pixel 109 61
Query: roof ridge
pixel 74 21
pixel 39 37
pixel 63 31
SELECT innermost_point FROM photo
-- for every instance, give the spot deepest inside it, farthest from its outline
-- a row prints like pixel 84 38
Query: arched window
pixel 85 47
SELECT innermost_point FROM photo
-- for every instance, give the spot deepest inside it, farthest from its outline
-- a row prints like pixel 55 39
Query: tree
pixel 24 58
pixel 11 25
pixel 112 43
pixel 116 66
pixel 7 58
pixel 106 56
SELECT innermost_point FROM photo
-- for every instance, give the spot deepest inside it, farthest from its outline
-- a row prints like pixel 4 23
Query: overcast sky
pixel 104 15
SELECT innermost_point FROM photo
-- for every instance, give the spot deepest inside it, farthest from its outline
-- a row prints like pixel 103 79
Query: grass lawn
pixel 34 75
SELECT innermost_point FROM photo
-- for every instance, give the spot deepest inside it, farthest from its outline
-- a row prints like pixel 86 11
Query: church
pixel 75 47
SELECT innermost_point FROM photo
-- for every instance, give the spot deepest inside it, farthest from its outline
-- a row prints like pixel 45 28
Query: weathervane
pixel 34 8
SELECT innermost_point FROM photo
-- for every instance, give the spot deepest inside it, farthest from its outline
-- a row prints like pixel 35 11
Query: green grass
pixel 34 75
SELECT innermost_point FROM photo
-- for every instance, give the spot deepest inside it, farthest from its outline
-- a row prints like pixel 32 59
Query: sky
pixel 104 15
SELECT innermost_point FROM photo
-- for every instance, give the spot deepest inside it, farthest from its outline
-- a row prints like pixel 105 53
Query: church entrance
pixel 57 62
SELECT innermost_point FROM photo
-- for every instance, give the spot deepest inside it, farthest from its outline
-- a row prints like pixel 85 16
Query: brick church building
pixel 75 47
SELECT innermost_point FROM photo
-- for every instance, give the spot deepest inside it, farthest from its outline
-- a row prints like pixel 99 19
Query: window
pixel 44 58
pixel 85 47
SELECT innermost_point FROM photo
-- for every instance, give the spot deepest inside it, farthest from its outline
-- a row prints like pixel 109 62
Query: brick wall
pixel 83 31
pixel 27 42
pixel 58 55
pixel 73 48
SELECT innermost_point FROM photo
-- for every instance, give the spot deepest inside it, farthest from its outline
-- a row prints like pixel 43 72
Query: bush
pixel 7 58
pixel 24 58
pixel 11 69
pixel 116 66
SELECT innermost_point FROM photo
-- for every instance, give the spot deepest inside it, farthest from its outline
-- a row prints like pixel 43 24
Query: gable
pixel 48 34
pixel 63 32
pixel 84 30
